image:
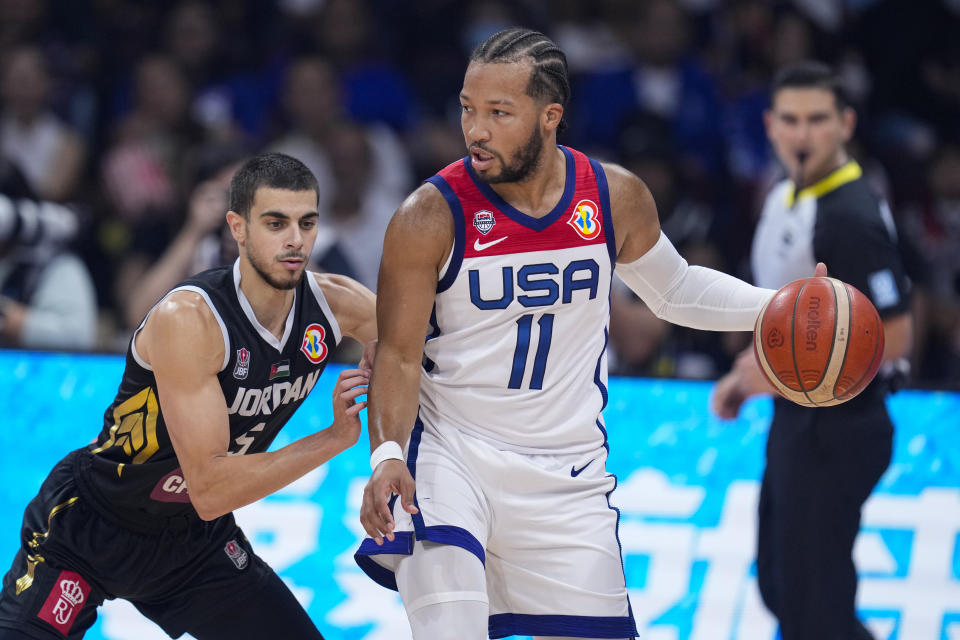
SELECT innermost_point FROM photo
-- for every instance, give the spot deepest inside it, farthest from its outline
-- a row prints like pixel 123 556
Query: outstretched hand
pixel 391 476
pixel 351 384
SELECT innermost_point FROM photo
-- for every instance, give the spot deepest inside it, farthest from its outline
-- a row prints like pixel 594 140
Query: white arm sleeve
pixel 694 297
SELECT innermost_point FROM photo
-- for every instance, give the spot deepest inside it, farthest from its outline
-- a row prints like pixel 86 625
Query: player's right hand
pixel 391 476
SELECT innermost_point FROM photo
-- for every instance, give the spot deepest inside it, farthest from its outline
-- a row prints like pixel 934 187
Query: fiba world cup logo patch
pixel 237 554
pixel 585 219
pixel 313 346
pixel 484 221
pixel 243 364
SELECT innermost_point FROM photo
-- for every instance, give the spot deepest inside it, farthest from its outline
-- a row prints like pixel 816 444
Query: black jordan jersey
pixel 132 466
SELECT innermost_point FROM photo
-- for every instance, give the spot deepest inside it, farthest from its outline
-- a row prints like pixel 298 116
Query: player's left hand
pixel 351 384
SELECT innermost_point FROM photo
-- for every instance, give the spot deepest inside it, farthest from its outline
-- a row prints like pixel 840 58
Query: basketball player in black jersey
pixel 213 372
pixel 822 463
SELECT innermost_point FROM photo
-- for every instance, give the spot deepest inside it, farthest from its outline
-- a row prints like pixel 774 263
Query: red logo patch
pixel 243 364
pixel 313 346
pixel 237 554
pixel 66 598
pixel 585 219
pixel 484 221
pixel 171 488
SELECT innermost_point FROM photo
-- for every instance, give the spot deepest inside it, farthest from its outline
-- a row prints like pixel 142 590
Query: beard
pixel 524 162
pixel 290 282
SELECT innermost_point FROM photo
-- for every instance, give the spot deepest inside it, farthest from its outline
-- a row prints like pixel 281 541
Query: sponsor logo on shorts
pixel 171 488
pixel 585 219
pixel 237 554
pixel 243 364
pixel 313 346
pixel 66 598
pixel 484 221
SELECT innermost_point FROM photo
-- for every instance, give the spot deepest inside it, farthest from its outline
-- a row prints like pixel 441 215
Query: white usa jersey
pixel 516 354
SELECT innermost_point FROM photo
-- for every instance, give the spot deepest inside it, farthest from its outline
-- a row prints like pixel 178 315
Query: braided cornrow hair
pixel 549 78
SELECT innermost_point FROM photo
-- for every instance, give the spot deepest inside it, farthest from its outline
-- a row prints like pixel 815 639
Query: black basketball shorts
pixel 185 574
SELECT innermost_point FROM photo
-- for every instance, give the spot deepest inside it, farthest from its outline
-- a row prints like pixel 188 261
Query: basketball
pixel 819 341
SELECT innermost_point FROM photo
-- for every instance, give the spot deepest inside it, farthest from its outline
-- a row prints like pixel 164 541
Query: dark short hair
pixel 811 74
pixel 271 170
pixel 550 78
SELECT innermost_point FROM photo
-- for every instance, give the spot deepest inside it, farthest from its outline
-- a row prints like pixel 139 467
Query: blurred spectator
pixel 935 228
pixel 193 43
pixel 643 344
pixel 21 22
pixel 203 242
pixel 49 153
pixel 47 299
pixel 230 95
pixel 363 171
pixel 362 203
pixel 436 143
pixel 140 167
pixel 142 170
pixel 762 39
pixel 664 79
pixel 590 43
pixel 637 337
pixel 313 110
pixel 374 87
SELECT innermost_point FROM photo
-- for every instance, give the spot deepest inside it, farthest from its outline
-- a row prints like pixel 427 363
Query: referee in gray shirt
pixel 822 463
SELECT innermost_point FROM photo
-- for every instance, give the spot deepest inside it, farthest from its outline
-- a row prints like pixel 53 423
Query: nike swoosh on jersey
pixel 480 246
pixel 574 472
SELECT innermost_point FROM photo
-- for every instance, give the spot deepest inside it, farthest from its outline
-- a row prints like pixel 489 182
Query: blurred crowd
pixel 121 122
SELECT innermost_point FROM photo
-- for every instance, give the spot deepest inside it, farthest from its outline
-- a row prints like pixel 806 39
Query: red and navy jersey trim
pixel 462 189
pixel 537 224
pixel 456 209
pixel 604 190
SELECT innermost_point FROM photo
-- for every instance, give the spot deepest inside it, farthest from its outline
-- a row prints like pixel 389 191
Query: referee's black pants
pixel 822 465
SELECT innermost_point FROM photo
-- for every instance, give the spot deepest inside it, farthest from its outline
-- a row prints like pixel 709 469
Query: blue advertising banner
pixel 688 488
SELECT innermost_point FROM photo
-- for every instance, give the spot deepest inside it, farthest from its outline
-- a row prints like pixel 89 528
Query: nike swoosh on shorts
pixel 574 472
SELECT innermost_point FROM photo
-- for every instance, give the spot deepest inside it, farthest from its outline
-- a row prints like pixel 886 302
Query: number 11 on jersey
pixel 524 324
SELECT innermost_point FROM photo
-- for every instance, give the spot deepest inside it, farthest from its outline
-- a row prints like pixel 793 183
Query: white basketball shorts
pixel 542 525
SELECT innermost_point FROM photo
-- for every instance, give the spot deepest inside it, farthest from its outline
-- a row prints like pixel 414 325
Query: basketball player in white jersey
pixel 491 431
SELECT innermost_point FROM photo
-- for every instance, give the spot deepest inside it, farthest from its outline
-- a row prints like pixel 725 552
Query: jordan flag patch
pixel 280 370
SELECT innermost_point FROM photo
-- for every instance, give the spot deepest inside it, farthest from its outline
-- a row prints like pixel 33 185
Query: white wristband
pixel 388 450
